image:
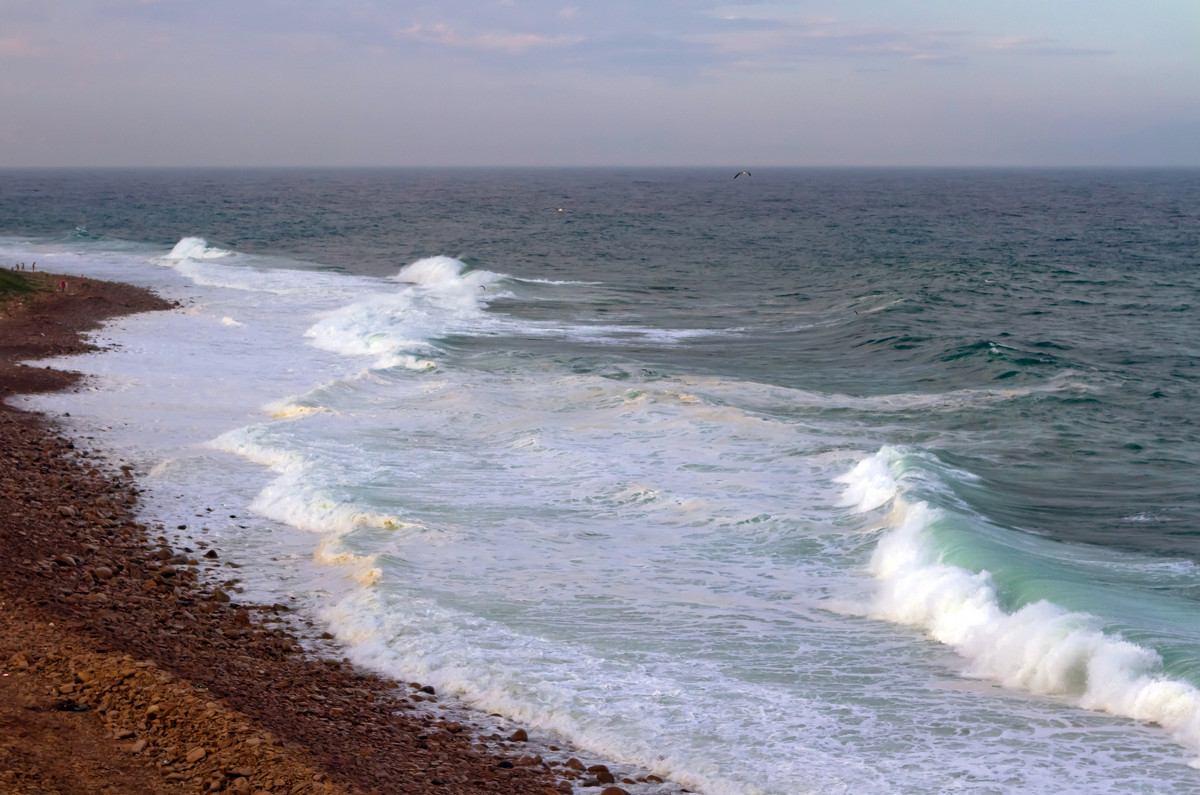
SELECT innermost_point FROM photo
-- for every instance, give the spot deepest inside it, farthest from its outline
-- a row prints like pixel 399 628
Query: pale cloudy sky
pixel 584 82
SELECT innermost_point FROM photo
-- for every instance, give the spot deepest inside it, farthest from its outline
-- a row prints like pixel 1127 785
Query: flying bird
pixel 747 173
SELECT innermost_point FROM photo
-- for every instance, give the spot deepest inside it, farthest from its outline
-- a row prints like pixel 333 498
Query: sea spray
pixel 195 248
pixel 444 272
pixel 435 298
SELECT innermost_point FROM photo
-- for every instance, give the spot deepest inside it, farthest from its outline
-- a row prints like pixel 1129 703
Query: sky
pixel 599 83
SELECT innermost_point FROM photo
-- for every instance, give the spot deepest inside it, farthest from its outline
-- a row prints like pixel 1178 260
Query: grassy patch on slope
pixel 15 285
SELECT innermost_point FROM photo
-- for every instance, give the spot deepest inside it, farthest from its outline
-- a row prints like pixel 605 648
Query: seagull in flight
pixel 747 173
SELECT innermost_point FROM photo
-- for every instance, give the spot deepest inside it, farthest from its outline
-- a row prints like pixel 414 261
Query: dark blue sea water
pixel 807 481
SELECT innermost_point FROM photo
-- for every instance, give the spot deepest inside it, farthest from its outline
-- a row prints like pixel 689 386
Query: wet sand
pixel 124 668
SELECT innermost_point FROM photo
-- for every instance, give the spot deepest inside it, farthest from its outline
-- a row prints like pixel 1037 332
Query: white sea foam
pixel 292 498
pixel 236 274
pixel 195 248
pixel 405 361
pixel 210 266
pixel 287 409
pixel 1040 647
pixel 289 499
pixel 428 642
pixel 331 552
pixel 442 271
pixel 437 297
pixel 382 326
pixel 870 484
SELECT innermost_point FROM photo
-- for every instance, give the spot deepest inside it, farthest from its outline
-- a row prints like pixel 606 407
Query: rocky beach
pixel 130 666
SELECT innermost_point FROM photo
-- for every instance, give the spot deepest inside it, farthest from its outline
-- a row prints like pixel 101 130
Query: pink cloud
pixel 496 41
pixel 14 47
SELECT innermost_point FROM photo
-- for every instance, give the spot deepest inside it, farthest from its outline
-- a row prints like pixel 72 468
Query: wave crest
pixel 195 248
pixel 442 271
pixel 1040 647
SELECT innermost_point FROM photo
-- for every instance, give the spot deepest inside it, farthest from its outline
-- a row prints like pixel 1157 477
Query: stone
pixel 196 754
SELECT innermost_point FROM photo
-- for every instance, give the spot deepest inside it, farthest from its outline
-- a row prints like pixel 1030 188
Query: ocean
pixel 810 481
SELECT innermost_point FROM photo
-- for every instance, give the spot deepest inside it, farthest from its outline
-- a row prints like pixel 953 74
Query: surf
pixel 1037 646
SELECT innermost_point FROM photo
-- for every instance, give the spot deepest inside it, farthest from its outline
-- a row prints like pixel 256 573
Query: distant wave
pixel 443 271
pixel 195 248
pixel 440 296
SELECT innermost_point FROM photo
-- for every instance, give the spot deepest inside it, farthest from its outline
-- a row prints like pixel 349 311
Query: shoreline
pixel 125 670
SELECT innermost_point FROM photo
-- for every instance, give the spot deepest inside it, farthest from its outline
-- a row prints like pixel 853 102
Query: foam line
pixel 291 500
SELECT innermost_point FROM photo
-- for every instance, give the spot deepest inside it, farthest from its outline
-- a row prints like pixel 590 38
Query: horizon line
pixel 585 167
